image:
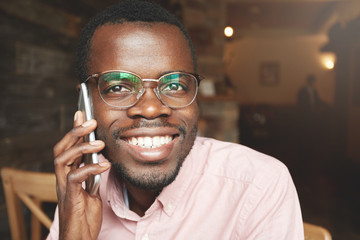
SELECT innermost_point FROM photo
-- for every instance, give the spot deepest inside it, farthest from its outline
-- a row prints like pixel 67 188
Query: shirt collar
pixel 171 195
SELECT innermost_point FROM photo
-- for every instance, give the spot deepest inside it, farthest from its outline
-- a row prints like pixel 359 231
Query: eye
pixel 175 86
pixel 117 88
pixel 119 84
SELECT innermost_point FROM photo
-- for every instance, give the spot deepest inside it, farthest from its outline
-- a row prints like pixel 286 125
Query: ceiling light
pixel 228 31
pixel 329 64
pixel 328 60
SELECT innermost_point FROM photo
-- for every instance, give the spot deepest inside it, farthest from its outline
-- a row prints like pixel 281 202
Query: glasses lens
pixel 178 89
pixel 119 89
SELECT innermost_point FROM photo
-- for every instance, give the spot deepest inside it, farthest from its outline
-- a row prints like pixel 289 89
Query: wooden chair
pixel 314 232
pixel 32 188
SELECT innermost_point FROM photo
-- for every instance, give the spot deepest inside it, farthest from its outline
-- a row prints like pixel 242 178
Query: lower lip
pixel 151 155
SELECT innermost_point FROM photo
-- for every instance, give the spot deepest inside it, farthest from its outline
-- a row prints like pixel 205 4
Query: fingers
pixel 76 206
pixel 74 154
pixel 79 118
pixel 71 159
pixel 76 134
pixel 69 150
pixel 76 177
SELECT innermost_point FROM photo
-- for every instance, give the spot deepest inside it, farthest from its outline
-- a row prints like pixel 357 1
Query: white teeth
pixel 150 142
pixel 147 142
pixel 134 141
pixel 140 141
pixel 156 141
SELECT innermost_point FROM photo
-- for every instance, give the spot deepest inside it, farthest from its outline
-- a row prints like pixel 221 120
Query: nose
pixel 149 106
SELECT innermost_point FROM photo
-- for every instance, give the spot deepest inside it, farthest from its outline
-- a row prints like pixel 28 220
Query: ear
pixel 78 87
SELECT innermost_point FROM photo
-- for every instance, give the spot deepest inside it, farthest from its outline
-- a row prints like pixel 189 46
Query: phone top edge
pixel 86 101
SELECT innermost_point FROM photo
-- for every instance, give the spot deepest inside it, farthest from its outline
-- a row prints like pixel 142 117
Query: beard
pixel 152 179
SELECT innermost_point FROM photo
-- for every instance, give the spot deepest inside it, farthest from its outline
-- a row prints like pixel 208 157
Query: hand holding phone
pixel 85 105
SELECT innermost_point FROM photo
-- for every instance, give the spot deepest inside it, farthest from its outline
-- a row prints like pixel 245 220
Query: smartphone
pixel 86 106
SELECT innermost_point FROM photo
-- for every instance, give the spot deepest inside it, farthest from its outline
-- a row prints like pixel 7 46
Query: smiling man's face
pixel 149 50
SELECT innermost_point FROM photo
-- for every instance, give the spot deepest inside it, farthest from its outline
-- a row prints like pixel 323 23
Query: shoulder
pixel 237 162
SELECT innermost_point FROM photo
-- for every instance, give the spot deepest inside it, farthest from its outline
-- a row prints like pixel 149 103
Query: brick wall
pixel 37 93
pixel 205 20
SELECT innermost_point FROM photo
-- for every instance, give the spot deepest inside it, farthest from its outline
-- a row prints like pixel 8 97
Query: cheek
pixel 100 110
pixel 108 119
pixel 103 115
pixel 190 116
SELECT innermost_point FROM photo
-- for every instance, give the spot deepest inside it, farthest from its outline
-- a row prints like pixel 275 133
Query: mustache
pixel 146 124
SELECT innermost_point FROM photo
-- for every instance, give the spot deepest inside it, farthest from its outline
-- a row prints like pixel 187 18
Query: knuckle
pixel 74 132
pixel 71 177
pixel 56 162
pixel 85 148
pixel 57 149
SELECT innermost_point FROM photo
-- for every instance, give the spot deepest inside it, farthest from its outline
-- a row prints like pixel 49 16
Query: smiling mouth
pixel 150 142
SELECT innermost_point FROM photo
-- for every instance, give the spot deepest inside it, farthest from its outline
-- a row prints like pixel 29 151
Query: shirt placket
pixel 148 225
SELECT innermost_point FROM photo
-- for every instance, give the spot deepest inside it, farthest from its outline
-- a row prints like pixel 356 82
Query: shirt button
pixel 170 206
pixel 145 237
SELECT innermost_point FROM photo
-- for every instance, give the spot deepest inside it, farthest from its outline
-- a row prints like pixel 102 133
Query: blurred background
pixel 286 82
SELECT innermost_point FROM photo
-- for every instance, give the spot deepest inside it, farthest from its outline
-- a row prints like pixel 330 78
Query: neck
pixel 140 200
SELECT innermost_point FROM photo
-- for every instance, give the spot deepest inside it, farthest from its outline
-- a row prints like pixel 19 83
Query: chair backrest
pixel 315 232
pixel 32 188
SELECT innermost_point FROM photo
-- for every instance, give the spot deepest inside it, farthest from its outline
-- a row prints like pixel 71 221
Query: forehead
pixel 139 47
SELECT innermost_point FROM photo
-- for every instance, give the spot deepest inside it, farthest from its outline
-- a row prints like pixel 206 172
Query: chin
pixel 151 179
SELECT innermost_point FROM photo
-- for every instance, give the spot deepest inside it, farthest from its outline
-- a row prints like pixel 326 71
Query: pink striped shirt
pixel 223 191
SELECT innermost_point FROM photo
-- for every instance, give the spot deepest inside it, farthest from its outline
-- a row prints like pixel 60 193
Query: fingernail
pixel 76 116
pixel 96 143
pixel 87 123
pixel 104 164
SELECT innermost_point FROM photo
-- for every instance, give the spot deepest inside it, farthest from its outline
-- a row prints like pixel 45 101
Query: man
pixel 164 182
pixel 307 97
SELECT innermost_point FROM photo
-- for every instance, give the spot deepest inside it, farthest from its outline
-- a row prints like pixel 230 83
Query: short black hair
pixel 125 11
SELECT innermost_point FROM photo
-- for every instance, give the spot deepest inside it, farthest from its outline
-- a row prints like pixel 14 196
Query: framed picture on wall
pixel 269 73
